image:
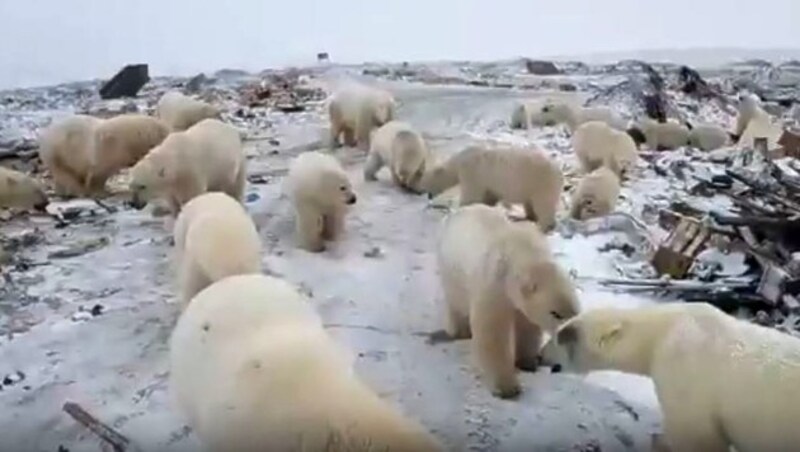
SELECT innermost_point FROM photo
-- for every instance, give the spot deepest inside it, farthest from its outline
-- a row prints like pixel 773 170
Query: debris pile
pixel 288 92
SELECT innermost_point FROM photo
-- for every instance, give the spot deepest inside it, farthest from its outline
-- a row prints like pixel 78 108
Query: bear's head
pixel 637 134
pixel 335 188
pixel 385 111
pixel 553 113
pixel 535 284
pixel 411 155
pixel 24 192
pixel 148 178
pixel 614 338
pixel 437 179
pixel 585 208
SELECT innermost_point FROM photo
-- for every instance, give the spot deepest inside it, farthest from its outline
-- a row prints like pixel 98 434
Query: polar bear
pixel 660 136
pixel 20 191
pixel 749 107
pixel 206 157
pixel 82 152
pixel 180 112
pixel 500 282
pixel 511 175
pixel 320 192
pixel 397 145
pixel 708 137
pixel 253 369
pixel 596 194
pixel 573 116
pixel 355 110
pixel 527 114
pixel 754 122
pixel 597 144
pixel 720 381
pixel 214 238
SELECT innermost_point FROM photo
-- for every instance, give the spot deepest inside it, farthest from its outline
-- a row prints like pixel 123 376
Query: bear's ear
pixel 612 334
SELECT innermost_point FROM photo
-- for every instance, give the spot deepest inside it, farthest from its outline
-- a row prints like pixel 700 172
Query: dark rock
pixel 540 67
pixel 126 83
pixel 196 83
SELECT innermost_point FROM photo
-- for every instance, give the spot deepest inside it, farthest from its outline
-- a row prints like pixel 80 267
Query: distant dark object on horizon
pixel 196 82
pixel 540 67
pixel 126 83
pixel 323 57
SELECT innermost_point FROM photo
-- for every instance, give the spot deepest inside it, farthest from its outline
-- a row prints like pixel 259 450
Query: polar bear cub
pixel 573 116
pixel 660 136
pixel 596 194
pixel 180 112
pixel 754 122
pixel 528 114
pixel 321 193
pixel 253 370
pixel 214 238
pixel 721 382
pixel 82 152
pixel 596 144
pixel 708 137
pixel 397 145
pixel 207 157
pixel 355 110
pixel 501 283
pixel 511 175
pixel 20 191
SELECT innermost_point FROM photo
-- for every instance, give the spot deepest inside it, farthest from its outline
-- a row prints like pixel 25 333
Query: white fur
pixel 253 370
pixel 596 194
pixel 573 116
pixel 214 238
pixel 721 382
pixel 355 110
pixel 82 152
pixel 664 135
pixel 401 148
pixel 180 112
pixel 596 144
pixel 321 193
pixel 528 114
pixel 18 190
pixel 708 137
pixel 500 283
pixel 754 122
pixel 206 157
pixel 509 175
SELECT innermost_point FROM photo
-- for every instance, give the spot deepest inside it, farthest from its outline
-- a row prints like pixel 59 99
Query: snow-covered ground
pixel 381 303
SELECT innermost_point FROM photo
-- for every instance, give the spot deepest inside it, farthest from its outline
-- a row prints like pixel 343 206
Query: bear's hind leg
pixel 527 341
pixel 457 324
pixel 492 323
pixel 349 137
pixel 373 164
pixel 192 280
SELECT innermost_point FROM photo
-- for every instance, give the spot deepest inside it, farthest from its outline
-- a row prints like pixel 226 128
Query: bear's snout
pixel 352 199
pixel 137 203
pixel 42 206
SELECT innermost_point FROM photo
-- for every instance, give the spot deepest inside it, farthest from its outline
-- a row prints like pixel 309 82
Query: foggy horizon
pixel 48 41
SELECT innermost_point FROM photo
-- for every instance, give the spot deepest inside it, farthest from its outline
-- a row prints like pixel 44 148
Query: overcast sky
pixel 45 41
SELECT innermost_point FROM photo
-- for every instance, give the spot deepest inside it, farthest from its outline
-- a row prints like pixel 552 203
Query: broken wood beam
pixel 116 440
pixel 676 254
